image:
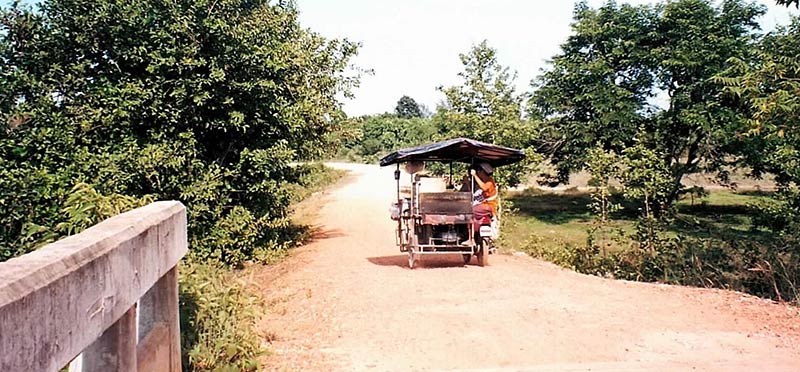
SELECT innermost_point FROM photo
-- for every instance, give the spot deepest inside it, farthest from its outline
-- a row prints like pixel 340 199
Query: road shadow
pixel 553 208
pixel 319 232
pixel 427 262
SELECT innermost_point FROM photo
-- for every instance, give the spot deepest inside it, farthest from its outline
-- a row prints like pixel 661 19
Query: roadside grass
pixel 553 220
pixel 220 306
pixel 306 206
pixel 316 178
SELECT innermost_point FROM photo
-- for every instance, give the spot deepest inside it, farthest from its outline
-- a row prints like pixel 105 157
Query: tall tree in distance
pixel 694 131
pixel 487 108
pixel 488 89
pixel 408 108
pixel 789 2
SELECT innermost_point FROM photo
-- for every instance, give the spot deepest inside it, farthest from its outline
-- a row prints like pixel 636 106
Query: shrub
pixel 766 269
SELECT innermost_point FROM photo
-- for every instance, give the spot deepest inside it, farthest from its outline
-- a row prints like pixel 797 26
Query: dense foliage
pixel 205 102
pixel 729 102
pixel 605 87
pixel 769 89
pixel 375 136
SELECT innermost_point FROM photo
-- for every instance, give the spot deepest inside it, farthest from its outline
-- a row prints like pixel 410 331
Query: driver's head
pixel 485 167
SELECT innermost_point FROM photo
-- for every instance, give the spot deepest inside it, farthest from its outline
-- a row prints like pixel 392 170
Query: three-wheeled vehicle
pixel 435 221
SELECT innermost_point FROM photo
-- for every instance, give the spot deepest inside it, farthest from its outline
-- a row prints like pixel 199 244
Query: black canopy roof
pixel 457 150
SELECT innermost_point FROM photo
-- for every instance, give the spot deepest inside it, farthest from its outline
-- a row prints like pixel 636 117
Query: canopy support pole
pixel 452 185
pixel 472 197
pixel 397 179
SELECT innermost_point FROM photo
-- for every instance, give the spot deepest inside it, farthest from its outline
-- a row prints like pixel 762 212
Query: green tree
pixel 596 91
pixel 769 88
pixel 603 166
pixel 603 86
pixel 487 108
pixel 378 135
pixel 694 132
pixel 408 108
pixel 788 2
pixel 202 101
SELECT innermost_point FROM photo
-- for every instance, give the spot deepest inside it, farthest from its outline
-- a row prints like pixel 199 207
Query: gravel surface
pixel 348 302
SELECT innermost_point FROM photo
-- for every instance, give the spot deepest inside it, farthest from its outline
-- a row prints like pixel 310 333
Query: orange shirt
pixel 490 195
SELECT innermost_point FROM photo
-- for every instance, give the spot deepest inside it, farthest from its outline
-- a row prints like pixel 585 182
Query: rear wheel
pixel 413 260
pixel 483 253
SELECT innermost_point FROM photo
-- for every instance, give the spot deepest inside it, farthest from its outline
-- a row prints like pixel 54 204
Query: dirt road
pixel 348 302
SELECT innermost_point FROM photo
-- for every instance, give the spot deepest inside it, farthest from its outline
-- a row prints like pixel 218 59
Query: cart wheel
pixel 483 253
pixel 467 257
pixel 411 259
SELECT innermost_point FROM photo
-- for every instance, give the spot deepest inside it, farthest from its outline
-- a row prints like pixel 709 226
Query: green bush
pixel 207 102
pixel 84 207
pixel 766 269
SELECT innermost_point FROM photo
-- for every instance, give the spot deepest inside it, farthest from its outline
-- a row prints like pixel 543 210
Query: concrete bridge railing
pixel 108 296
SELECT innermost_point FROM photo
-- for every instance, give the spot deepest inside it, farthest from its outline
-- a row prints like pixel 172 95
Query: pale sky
pixel 413 45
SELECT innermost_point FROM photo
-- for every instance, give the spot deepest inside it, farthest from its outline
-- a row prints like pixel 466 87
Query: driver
pixel 484 203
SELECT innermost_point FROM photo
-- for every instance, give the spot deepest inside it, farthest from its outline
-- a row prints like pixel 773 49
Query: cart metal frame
pixel 456 215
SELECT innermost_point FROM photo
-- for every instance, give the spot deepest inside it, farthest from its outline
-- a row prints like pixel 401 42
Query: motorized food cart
pixel 436 222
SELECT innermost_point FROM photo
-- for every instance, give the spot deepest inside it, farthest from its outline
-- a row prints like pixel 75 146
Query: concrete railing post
pixel 159 326
pixel 115 350
pixel 109 294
